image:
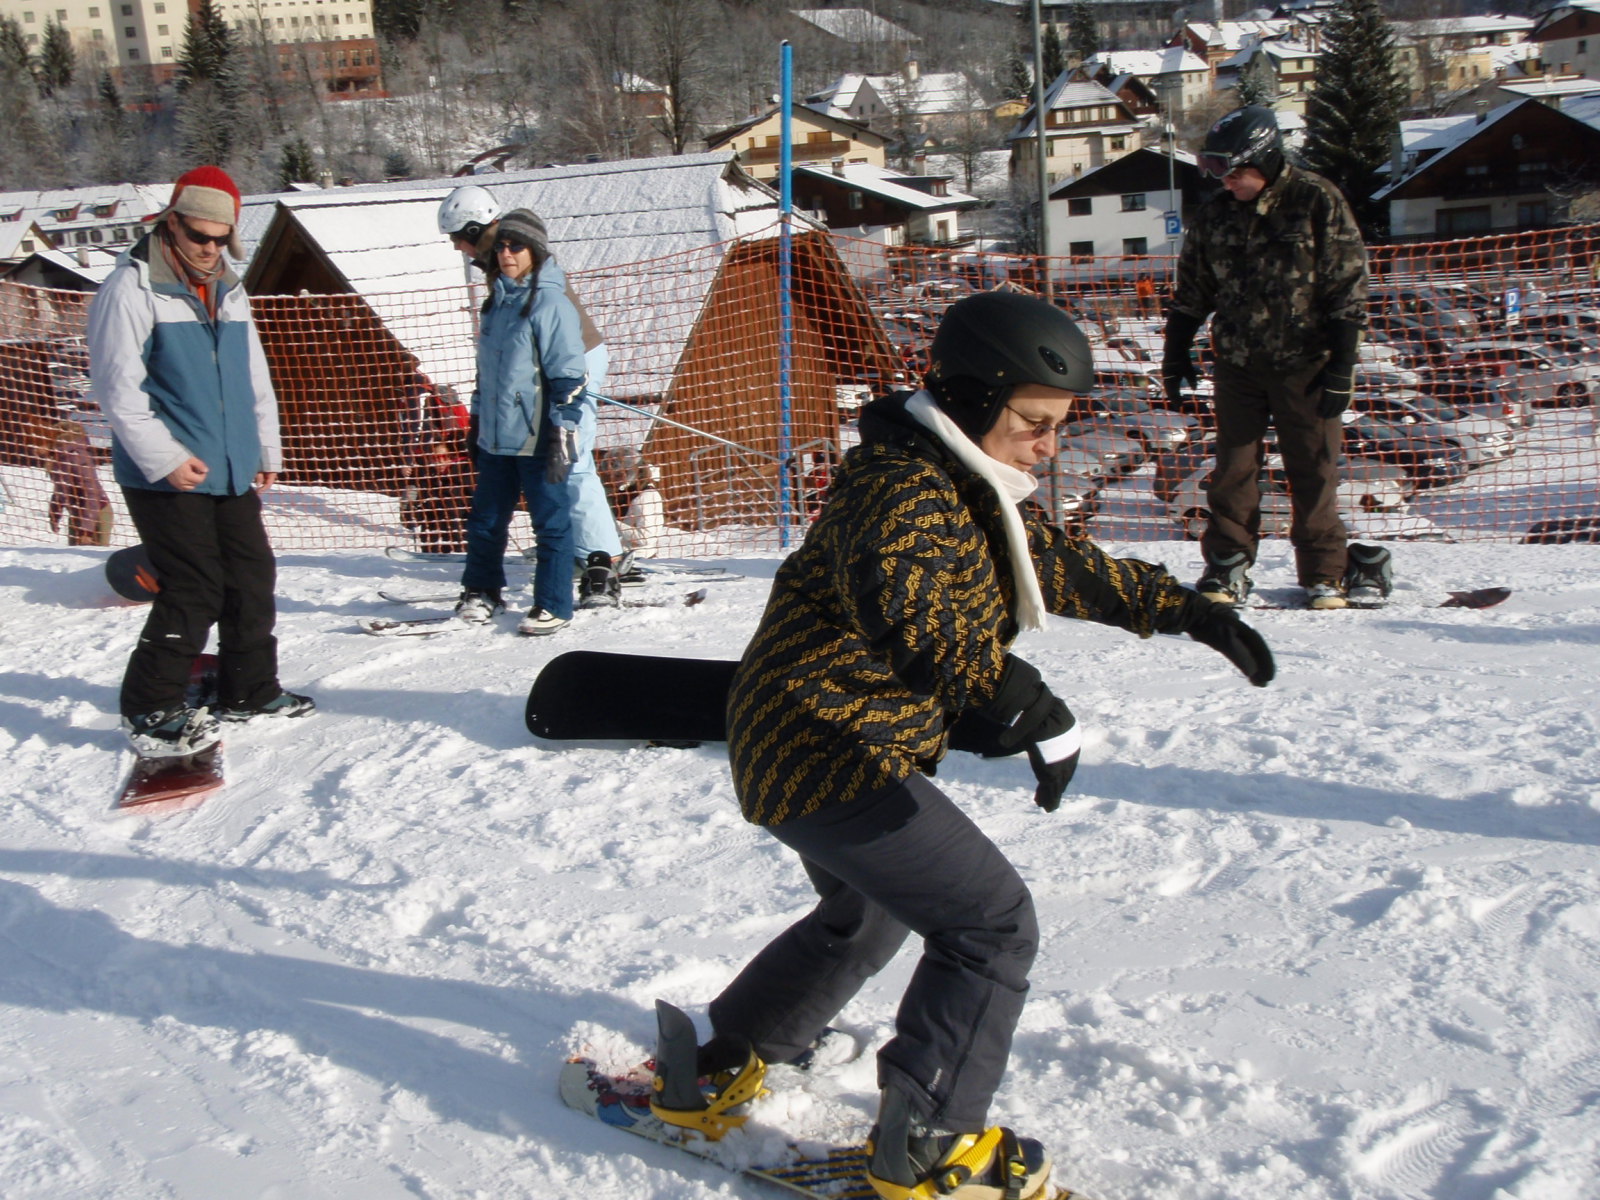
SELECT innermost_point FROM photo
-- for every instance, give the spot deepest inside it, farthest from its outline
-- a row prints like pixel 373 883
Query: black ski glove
pixel 1177 364
pixel 1224 632
pixel 1025 715
pixel 1337 379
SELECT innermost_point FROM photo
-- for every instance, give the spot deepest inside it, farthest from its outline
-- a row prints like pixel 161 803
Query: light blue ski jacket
pixel 173 384
pixel 530 357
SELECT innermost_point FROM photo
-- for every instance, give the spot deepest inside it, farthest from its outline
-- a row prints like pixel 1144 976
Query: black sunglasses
pixel 203 239
pixel 514 247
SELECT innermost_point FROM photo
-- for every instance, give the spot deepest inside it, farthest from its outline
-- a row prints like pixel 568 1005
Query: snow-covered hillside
pixel 1338 939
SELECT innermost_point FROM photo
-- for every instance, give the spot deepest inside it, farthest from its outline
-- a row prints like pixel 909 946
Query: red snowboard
pixel 165 785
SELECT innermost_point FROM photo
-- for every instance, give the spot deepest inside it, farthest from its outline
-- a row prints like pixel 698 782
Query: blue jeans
pixel 501 479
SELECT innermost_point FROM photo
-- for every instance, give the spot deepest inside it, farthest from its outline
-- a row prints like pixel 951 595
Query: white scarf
pixel 1010 485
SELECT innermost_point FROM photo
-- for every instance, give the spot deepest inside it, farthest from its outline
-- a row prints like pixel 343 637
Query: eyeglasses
pixel 202 239
pixel 504 245
pixel 1037 428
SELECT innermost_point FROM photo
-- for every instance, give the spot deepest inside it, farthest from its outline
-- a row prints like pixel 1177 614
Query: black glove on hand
pixel 1177 364
pixel 1224 632
pixel 1024 714
pixel 1337 379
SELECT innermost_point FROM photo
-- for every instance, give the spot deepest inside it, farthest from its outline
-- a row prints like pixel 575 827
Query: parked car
pixel 1363 487
pixel 1099 454
pixel 1428 461
pixel 1485 397
pixel 1484 440
pixel 1545 378
pixel 1067 499
pixel 1422 307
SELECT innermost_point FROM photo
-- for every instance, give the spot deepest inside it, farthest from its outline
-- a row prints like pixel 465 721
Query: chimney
pixel 1397 156
pixel 919 163
pixel 912 70
pixel 838 166
pixel 1483 112
pixel 83 256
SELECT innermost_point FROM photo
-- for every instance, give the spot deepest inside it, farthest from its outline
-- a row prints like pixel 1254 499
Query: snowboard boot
pixel 1326 594
pixel 1227 579
pixel 172 732
pixel 284 704
pixel 539 623
pixel 1368 573
pixel 908 1161
pixel 701 1096
pixel 600 586
pixel 477 607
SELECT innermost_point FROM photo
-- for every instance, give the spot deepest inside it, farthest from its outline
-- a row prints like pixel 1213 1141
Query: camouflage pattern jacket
pixel 1273 274
pixel 894 617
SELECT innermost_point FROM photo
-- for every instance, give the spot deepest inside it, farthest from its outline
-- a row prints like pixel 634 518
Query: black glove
pixel 472 439
pixel 1177 364
pixel 1224 632
pixel 1025 715
pixel 1337 379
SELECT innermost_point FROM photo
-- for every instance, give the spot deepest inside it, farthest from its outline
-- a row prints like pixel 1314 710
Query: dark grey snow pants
pixel 906 861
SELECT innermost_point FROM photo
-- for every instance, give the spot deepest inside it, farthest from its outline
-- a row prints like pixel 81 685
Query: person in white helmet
pixel 470 218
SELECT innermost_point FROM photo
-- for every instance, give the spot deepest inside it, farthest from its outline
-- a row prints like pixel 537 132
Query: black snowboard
pixel 593 694
pixel 587 694
pixel 131 576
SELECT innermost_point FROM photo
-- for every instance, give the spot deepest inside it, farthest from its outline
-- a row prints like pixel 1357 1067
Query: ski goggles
pixel 1217 164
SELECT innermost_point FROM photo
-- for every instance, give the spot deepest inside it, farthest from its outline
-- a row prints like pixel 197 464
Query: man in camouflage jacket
pixel 1276 260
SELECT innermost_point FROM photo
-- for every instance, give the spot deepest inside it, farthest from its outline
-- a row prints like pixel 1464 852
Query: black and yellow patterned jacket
pixel 894 617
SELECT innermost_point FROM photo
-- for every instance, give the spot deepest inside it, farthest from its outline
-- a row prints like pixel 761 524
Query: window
pixel 161 30
pixel 133 54
pixel 1477 171
pixel 166 52
pixel 1135 246
pixel 98 35
pixel 119 234
pixel 129 31
pixel 1133 202
pixel 816 135
pixel 94 236
pixel 1081 249
pixel 161 8
pixel 1583 45
pixel 94 12
pixel 27 18
pixel 1531 214
pixel 61 16
pixel 1119 143
pixel 1462 220
pixel 127 10
pixel 1080 206
pixel 857 202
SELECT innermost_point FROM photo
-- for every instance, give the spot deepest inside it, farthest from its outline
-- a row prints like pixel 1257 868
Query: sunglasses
pixel 203 239
pixel 505 244
pixel 1037 428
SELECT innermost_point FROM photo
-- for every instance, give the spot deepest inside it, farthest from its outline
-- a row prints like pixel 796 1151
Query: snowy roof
pixel 1277 48
pixel 1462 26
pixel 1584 108
pixel 1231 35
pixel 1146 62
pixel 383 239
pixel 854 25
pixel 1547 88
pixel 1068 93
pixel 131 201
pixel 1430 139
pixel 885 184
pixel 935 92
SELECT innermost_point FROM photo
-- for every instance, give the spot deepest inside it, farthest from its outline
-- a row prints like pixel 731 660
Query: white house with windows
pixel 107 216
pixel 1177 76
pixel 1087 125
pixel 1120 208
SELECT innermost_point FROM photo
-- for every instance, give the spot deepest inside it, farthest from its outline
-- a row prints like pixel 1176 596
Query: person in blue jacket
pixel 177 368
pixel 526 415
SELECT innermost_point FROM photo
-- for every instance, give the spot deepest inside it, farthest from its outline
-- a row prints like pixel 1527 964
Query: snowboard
pixel 1486 597
pixel 430 626
pixel 827 1172
pixel 164 785
pixel 596 694
pixel 131 575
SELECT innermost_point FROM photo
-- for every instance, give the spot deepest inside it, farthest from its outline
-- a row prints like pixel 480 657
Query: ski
pixel 837 1172
pixel 401 554
pixel 641 571
pixel 450 623
pixel 1486 597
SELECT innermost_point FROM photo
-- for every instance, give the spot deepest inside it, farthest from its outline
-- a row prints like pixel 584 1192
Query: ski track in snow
pixel 1336 939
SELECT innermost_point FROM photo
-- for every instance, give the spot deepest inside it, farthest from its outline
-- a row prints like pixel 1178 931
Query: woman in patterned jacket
pixel 889 625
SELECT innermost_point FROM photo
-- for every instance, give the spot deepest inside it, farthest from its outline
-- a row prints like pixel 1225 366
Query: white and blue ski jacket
pixel 529 355
pixel 174 384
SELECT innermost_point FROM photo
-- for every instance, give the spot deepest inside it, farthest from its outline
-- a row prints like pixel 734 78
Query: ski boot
pixel 1368 573
pixel 1326 594
pixel 699 1091
pixel 600 586
pixel 1227 579
pixel 477 607
pixel 908 1161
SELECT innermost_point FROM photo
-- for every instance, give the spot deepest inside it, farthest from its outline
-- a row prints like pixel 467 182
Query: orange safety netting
pixel 1476 397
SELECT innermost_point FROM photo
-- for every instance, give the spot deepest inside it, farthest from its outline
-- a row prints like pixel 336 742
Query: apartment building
pixel 140 41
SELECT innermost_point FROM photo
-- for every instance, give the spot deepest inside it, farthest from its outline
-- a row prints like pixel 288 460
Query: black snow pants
pixel 907 860
pixel 216 569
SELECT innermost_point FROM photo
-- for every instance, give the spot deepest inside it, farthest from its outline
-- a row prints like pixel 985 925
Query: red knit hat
pixel 207 194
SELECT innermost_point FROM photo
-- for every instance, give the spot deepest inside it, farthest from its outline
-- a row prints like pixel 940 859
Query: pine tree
pixel 296 164
pixel 1257 84
pixel 1050 47
pixel 1018 80
pixel 1354 107
pixel 209 89
pixel 57 60
pixel 14 46
pixel 1083 35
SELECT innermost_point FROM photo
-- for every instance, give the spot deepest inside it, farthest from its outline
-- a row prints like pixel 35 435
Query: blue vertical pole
pixel 785 281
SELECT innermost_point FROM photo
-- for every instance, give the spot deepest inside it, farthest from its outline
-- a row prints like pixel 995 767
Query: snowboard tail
pixel 164 785
pixel 596 694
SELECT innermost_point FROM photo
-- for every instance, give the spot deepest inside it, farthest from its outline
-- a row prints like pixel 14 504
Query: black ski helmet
pixel 989 344
pixel 1246 137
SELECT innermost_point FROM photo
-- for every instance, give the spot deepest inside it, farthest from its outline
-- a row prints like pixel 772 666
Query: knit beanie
pixel 526 227
pixel 207 194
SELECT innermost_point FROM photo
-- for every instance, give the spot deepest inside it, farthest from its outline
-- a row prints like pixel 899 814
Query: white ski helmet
pixel 467 212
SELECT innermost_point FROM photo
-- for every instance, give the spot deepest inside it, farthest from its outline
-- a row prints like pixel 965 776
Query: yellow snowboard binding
pixel 909 1163
pixel 684 1098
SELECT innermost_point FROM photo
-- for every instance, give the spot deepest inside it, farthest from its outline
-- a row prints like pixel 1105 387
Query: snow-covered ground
pixel 1337 939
